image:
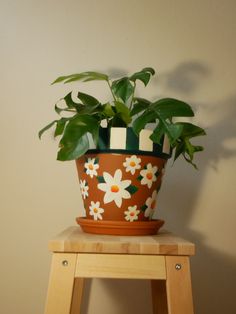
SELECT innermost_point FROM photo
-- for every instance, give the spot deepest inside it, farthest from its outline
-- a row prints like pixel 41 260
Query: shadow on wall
pixel 212 271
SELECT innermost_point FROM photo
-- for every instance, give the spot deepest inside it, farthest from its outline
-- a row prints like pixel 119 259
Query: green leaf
pixel 190 130
pixel 145 118
pixel 173 132
pixel 184 146
pixel 46 128
pixel 179 149
pixel 88 100
pixel 90 105
pixel 84 76
pixel 60 110
pixel 69 102
pixel 122 89
pixel 74 149
pixel 162 110
pixel 170 107
pixel 187 149
pixel 74 142
pixel 123 112
pixel 144 75
pixel 60 126
pixel 117 121
pixel 140 105
pixel 149 69
pixel 107 110
pixel 132 189
pixel 158 133
pixel 62 78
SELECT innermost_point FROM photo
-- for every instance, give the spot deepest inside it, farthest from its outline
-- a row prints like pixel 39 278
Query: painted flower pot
pixel 120 180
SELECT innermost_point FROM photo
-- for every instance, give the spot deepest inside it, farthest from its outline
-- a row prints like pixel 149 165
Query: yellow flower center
pixel 95 210
pixel 132 164
pixel 149 176
pixel 115 188
pixel 90 167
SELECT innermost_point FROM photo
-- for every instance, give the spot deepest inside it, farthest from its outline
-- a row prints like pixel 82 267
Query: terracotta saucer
pixel 120 227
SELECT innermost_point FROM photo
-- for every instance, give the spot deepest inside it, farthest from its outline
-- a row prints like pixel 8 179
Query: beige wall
pixel 192 46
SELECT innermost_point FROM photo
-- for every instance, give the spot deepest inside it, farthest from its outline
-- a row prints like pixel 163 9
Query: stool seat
pixel 161 258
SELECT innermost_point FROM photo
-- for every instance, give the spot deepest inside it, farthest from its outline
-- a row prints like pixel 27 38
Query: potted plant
pixel 121 148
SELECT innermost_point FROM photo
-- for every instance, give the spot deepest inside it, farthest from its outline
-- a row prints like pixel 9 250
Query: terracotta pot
pixel 119 181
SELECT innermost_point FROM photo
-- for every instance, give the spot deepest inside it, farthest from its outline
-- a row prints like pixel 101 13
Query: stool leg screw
pixel 65 263
pixel 178 266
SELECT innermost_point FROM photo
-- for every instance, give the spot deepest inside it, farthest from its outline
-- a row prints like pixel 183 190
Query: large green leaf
pixel 84 76
pixel 74 142
pixel 163 109
pixel 122 89
pixel 170 107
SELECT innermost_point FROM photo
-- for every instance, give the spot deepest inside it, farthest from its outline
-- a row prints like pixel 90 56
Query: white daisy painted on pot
pixel 91 167
pixel 84 188
pixel 148 175
pixel 132 213
pixel 132 163
pixel 150 205
pixel 114 188
pixel 96 211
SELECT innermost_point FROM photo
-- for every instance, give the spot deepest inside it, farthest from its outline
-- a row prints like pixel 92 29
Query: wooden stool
pixel 162 258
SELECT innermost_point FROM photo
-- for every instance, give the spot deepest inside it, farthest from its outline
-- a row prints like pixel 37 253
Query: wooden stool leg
pixel 159 299
pixel 61 282
pixel 77 296
pixel 178 285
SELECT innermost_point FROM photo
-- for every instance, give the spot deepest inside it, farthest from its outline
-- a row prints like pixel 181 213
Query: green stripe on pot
pixel 132 140
pixel 104 138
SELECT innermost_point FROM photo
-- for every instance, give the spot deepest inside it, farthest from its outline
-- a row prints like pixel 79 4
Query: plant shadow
pixel 212 270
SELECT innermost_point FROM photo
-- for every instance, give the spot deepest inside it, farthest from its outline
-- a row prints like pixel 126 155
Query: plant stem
pixel 114 97
pixel 132 99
